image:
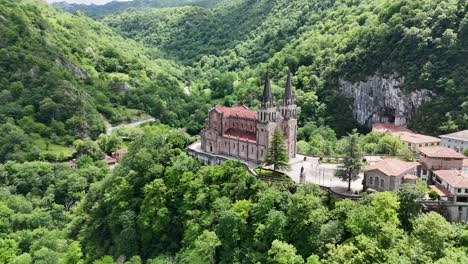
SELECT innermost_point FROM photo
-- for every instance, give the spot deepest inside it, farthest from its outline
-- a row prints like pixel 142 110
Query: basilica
pixel 245 134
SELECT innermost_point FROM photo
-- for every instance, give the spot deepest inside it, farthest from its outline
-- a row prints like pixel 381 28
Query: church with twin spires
pixel 242 133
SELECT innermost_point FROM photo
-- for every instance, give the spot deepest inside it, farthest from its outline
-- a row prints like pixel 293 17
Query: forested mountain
pixel 423 42
pixel 98 11
pixel 62 74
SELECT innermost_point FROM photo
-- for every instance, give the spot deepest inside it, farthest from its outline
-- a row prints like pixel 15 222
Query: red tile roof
pixel 388 128
pixel 109 160
pixel 242 135
pixel 393 167
pixel 417 138
pixel 237 111
pixel 440 190
pixel 460 135
pixel 454 178
pixel 465 163
pixel 440 152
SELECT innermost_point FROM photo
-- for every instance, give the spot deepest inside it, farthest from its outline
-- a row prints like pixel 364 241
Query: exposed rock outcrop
pixel 77 71
pixel 381 100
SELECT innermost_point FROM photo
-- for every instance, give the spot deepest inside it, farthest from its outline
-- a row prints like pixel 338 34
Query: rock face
pixel 77 71
pixel 380 100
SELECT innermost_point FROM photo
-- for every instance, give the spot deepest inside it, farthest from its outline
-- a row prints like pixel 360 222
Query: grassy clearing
pixel 51 151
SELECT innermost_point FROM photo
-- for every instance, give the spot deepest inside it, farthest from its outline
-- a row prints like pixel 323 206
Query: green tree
pixel 109 144
pixel 73 254
pixel 88 147
pixel 8 250
pixel 277 154
pixel 434 232
pixel 283 253
pixel 352 162
pixel 203 249
pixel 409 196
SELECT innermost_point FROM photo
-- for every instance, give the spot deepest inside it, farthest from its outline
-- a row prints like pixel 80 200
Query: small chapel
pixel 242 133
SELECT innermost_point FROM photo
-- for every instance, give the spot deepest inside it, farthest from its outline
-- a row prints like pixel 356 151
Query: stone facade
pixel 246 134
pixel 388 175
pixel 441 158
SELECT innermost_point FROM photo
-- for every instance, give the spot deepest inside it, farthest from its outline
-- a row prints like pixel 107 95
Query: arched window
pixel 381 183
pixel 371 180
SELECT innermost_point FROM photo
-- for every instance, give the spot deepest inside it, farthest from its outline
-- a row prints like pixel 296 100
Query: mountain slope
pixel 423 43
pixel 99 11
pixel 60 73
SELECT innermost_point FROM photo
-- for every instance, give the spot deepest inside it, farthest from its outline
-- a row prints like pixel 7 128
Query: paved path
pixel 131 124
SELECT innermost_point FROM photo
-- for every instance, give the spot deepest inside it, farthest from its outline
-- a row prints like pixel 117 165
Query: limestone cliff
pixel 380 99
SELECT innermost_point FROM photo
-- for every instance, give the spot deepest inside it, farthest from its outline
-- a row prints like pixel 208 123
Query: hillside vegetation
pixel 99 11
pixel 61 74
pixel 161 206
pixel 424 42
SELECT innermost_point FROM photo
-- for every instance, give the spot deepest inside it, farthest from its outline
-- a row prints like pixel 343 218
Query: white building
pixel 457 141
pixel 452 186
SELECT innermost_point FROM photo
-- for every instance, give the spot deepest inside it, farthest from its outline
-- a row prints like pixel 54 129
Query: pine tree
pixel 352 162
pixel 277 154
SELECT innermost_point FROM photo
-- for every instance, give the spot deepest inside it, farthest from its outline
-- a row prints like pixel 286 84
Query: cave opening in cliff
pixel 388 116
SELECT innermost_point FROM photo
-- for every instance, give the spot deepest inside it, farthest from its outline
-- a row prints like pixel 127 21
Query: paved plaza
pixel 320 173
pixel 315 172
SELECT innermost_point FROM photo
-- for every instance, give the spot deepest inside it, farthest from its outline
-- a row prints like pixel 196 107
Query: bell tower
pixel 288 105
pixel 267 116
pixel 267 112
pixel 288 114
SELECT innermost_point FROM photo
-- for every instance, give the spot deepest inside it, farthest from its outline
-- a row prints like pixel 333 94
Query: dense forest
pixel 63 76
pixel 99 11
pixel 66 76
pixel 161 206
pixel 424 42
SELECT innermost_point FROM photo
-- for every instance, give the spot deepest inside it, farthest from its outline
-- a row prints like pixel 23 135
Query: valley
pixel 234 131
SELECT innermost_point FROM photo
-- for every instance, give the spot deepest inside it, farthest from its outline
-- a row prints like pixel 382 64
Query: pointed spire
pixel 288 97
pixel 267 97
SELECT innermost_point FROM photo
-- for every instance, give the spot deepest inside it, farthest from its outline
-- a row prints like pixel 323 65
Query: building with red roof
pixel 452 186
pixel 389 128
pixel 118 154
pixel 438 158
pixel 389 174
pixel 244 133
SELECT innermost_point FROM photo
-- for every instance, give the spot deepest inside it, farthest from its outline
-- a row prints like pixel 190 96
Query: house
pixel 457 141
pixel 452 186
pixel 245 134
pixel 416 141
pixel 72 164
pixel 465 165
pixel 440 158
pixel 389 128
pixel 110 161
pixel 118 154
pixel 389 174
